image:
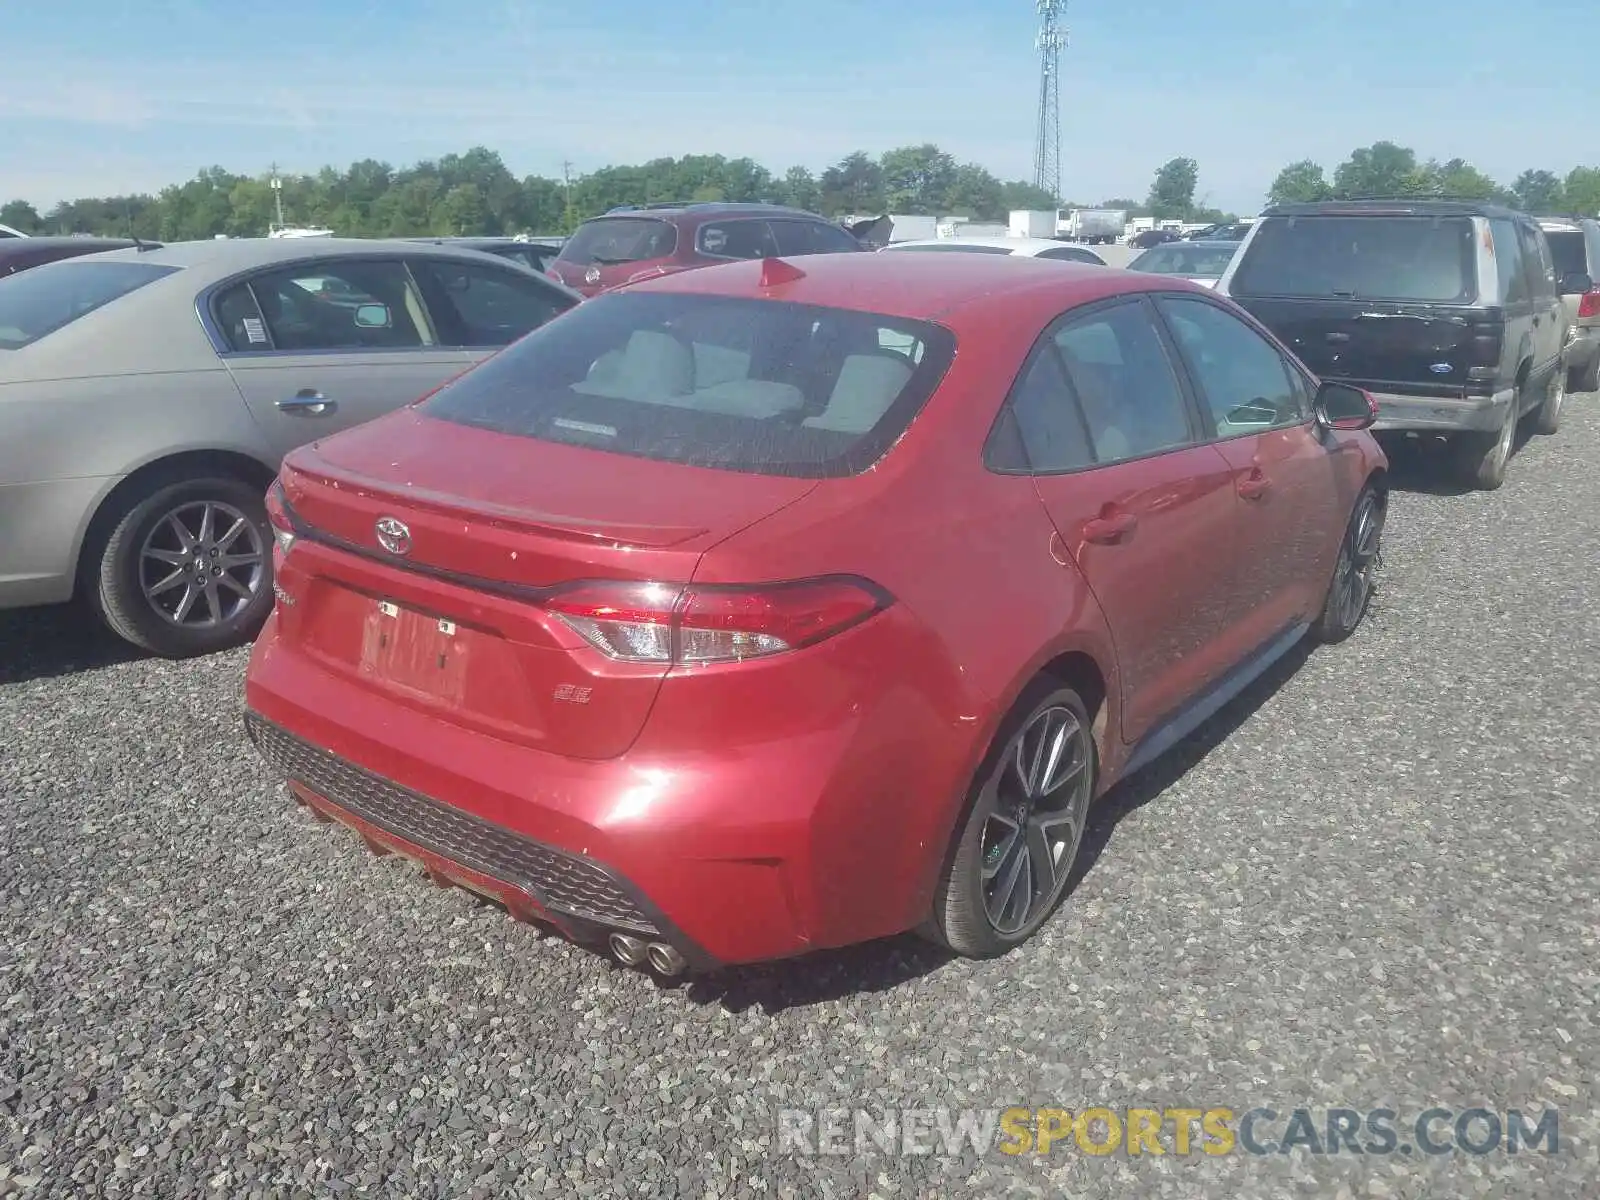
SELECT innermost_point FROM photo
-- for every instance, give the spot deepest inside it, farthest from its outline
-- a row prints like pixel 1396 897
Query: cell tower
pixel 1051 42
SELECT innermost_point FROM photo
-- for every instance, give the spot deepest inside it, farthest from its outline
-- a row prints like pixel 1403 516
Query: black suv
pixel 1448 312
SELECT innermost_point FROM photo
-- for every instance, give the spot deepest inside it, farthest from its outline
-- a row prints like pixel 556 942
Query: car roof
pixel 709 211
pixel 96 245
pixel 1017 245
pixel 1421 206
pixel 1565 224
pixel 917 287
pixel 222 257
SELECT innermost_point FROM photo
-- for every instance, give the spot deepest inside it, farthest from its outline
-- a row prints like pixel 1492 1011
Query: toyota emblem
pixel 592 275
pixel 393 535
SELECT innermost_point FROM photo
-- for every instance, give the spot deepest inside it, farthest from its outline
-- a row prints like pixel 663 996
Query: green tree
pixel 1301 182
pixel 1457 177
pixel 1381 169
pixel 916 179
pixel 1021 196
pixel 974 192
pixel 21 216
pixel 1582 191
pixel 1172 192
pixel 853 185
pixel 1538 192
pixel 799 189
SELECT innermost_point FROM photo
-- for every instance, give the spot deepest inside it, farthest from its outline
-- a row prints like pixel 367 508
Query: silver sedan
pixel 147 397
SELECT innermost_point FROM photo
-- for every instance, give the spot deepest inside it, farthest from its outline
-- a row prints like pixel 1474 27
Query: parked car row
pixel 778 595
pixel 1463 319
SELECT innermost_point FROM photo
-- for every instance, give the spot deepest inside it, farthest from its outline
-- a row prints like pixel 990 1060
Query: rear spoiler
pixel 873 233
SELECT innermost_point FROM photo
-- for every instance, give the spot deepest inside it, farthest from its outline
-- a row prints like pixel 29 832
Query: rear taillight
pixel 674 624
pixel 278 518
pixel 1589 303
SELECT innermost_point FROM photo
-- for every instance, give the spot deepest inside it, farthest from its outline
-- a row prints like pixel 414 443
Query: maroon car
pixel 629 244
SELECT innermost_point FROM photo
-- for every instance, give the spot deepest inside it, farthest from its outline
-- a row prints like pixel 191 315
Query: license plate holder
pixel 413 652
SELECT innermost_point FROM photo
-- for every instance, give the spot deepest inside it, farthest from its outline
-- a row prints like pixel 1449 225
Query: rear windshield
pixel 47 298
pixel 741 385
pixel 1184 258
pixel 1426 259
pixel 1566 247
pixel 612 240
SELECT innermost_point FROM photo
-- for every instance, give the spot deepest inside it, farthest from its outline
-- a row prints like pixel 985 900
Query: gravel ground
pixel 1370 883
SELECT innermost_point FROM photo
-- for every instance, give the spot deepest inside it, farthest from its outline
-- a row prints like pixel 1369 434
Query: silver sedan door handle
pixel 308 402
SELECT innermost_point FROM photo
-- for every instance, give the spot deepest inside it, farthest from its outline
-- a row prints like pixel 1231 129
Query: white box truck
pixel 1033 223
pixel 1097 226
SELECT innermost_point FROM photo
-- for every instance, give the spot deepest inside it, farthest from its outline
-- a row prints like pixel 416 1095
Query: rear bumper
pixel 1480 414
pixel 1584 349
pixel 40 525
pixel 821 822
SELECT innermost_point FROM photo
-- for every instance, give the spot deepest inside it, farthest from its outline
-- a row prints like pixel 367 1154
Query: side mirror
pixel 1576 284
pixel 373 316
pixel 1340 406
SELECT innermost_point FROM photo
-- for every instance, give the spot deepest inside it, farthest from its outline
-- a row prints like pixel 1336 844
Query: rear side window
pixel 1424 259
pixel 1512 270
pixel 742 385
pixel 737 239
pixel 480 306
pixel 1566 247
pixel 38 302
pixel 812 237
pixel 611 241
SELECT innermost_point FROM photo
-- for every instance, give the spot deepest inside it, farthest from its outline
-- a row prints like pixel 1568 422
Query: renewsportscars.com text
pixel 1212 1130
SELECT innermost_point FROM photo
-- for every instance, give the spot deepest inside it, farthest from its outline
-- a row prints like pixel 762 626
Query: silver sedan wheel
pixel 202 564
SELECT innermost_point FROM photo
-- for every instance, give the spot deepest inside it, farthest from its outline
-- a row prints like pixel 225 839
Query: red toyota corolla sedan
pixel 788 604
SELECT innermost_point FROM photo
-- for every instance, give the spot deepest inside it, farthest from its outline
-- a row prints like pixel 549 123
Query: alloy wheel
pixel 1040 798
pixel 202 564
pixel 1358 561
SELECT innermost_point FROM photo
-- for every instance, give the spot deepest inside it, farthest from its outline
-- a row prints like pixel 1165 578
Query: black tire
pixel 122 567
pixel 1547 417
pixel 961 919
pixel 1351 588
pixel 1483 458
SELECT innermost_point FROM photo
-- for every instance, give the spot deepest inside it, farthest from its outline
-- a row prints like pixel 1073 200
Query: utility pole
pixel 566 177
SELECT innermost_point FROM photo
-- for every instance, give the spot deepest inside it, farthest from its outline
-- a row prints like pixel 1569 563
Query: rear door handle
pixel 1254 485
pixel 1110 529
pixel 308 402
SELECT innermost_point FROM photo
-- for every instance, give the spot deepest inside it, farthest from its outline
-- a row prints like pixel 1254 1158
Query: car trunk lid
pixel 426 552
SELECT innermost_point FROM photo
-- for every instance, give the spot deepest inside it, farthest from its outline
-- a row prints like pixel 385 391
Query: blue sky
pixel 109 96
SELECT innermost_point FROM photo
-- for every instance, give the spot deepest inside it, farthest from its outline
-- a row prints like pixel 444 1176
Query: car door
pixel 1550 321
pixel 1258 406
pixel 329 343
pixel 1144 509
pixel 480 307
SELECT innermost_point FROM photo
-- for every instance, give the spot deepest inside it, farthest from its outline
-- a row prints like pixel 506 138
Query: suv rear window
pixel 607 241
pixel 1427 259
pixel 36 303
pixel 1566 247
pixel 742 385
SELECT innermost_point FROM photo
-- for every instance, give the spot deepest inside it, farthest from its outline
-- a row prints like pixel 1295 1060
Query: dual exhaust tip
pixel 662 958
